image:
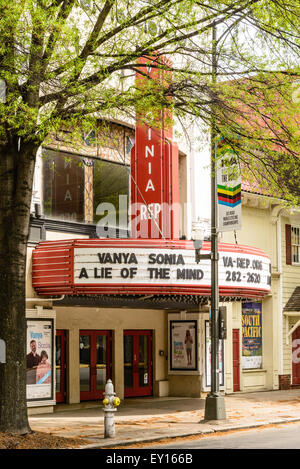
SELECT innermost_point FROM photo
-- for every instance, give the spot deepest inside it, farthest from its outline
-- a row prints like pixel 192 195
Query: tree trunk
pixel 16 178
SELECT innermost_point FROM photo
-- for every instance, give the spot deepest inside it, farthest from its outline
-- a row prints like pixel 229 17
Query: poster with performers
pixel 39 359
pixel 252 335
pixel 183 345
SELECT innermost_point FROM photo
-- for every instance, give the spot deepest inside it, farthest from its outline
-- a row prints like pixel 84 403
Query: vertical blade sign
pixel 154 164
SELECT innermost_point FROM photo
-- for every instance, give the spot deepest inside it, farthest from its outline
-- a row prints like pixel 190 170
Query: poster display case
pixel 183 345
pixel 40 359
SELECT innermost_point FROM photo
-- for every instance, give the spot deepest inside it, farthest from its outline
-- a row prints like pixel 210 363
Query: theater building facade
pixel 129 302
pixel 113 286
pixel 274 227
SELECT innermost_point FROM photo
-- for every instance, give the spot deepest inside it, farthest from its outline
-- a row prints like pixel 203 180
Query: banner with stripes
pixel 228 188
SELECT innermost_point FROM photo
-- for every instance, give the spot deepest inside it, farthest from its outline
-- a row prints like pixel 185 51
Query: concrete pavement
pixel 154 419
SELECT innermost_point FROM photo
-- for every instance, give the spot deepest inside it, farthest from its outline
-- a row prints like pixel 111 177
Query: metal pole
pixel 215 404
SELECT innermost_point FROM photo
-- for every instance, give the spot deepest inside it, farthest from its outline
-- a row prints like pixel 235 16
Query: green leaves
pixel 69 58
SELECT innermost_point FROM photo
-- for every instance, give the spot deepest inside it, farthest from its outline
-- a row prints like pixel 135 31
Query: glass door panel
pixel 101 364
pixel 137 363
pixel 95 363
pixel 128 361
pixel 60 364
pixel 85 362
pixel 143 361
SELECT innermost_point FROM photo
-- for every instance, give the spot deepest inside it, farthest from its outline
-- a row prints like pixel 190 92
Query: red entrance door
pixel 95 363
pixel 236 359
pixel 60 371
pixel 296 356
pixel 137 363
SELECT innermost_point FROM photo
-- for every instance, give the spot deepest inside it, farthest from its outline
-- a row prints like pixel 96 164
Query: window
pixel 295 239
pixel 74 187
pixel 111 180
pixel 63 187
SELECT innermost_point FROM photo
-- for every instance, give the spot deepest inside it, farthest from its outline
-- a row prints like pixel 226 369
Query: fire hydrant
pixel 110 402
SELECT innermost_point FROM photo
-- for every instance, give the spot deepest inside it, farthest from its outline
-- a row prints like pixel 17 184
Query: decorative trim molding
pixel 72 227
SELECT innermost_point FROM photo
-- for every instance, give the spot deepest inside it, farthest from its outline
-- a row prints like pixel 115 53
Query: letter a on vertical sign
pixel 228 188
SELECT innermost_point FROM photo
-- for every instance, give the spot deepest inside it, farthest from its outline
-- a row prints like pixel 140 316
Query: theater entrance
pixel 137 363
pixel 95 363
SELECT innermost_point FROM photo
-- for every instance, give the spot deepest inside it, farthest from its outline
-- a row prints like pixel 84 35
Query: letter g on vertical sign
pixel 2 351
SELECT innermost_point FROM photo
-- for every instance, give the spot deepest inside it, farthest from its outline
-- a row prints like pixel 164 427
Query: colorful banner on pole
pixel 228 188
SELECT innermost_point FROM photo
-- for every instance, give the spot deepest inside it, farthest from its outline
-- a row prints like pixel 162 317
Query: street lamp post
pixel 215 403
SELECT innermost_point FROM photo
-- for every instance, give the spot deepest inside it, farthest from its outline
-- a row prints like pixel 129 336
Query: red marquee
pixel 133 266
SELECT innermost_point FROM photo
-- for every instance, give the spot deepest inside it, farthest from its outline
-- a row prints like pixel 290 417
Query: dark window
pixel 63 187
pixel 75 189
pixel 295 244
pixel 111 180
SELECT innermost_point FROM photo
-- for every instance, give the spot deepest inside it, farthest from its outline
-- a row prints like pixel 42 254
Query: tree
pixel 65 63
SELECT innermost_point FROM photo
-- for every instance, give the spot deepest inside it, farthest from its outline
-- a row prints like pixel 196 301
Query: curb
pixel 115 444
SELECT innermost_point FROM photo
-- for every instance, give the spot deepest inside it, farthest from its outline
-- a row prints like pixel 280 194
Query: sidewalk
pixel 153 419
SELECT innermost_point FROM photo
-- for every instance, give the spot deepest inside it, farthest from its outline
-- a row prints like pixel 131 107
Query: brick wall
pixel 284 382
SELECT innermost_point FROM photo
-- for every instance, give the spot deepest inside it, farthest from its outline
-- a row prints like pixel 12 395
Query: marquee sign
pixel 146 266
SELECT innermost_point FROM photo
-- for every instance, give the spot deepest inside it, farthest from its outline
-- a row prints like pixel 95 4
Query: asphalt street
pixel 286 436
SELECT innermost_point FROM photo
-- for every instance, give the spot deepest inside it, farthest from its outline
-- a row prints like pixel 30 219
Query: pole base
pixel 215 408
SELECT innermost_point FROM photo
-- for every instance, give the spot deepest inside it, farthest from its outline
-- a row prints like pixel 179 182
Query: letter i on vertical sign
pixel 149 164
pixel 149 152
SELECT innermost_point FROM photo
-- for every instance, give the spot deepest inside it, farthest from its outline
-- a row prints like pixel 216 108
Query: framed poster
pixel 208 357
pixel 183 345
pixel 251 335
pixel 39 359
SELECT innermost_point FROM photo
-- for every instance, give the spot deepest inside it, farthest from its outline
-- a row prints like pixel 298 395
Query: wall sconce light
pixel 37 211
pixel 198 237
